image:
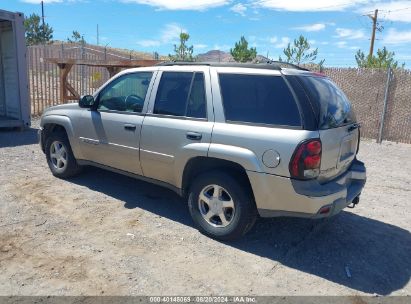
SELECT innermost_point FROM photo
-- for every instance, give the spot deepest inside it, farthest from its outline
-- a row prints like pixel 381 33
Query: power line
pixel 397 10
pixel 341 5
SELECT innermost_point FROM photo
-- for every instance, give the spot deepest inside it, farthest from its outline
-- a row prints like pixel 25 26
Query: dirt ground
pixel 105 234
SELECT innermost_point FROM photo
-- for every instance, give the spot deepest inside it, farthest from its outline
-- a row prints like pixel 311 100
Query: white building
pixel 14 97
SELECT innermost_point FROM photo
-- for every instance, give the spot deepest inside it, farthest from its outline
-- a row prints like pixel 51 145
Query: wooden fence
pixel 44 76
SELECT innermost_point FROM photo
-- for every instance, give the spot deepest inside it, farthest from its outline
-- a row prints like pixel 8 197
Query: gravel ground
pixel 105 234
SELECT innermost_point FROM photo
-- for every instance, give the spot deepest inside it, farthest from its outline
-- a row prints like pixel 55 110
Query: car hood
pixel 61 108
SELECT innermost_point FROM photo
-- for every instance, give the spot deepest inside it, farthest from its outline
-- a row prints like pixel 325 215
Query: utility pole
pixel 97 36
pixel 374 28
pixel 42 18
pixel 42 13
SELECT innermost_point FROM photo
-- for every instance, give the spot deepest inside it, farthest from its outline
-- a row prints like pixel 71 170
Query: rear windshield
pixel 335 109
pixel 258 99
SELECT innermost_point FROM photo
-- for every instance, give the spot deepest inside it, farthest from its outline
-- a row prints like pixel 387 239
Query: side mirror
pixel 86 101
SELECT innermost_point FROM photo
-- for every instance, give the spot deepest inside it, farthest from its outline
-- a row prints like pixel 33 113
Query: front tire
pixel 60 158
pixel 222 207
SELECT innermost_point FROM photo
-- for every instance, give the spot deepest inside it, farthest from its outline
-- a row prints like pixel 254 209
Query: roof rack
pixel 270 65
pixel 292 65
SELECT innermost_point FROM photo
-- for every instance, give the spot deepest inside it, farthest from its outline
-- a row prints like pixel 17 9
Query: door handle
pixel 194 136
pixel 130 127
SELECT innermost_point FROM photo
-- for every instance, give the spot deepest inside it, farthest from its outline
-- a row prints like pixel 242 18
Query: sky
pixel 337 28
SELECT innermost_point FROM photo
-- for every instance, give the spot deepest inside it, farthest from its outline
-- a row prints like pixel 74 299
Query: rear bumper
pixel 281 196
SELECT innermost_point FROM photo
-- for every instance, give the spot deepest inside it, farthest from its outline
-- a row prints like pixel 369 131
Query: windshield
pixel 335 110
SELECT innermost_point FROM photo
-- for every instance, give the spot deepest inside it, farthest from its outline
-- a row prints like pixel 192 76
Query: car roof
pixel 267 65
pixel 282 67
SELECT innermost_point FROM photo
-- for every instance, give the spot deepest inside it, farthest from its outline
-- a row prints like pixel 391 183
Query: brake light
pixel 314 147
pixel 312 162
pixel 306 161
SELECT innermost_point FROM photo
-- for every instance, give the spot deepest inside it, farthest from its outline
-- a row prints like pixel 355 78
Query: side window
pixel 335 108
pixel 181 94
pixel 260 99
pixel 127 93
pixel 196 106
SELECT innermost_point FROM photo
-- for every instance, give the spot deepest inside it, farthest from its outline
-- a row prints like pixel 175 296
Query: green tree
pixel 241 52
pixel 300 52
pixel 35 32
pixel 384 59
pixel 76 37
pixel 182 52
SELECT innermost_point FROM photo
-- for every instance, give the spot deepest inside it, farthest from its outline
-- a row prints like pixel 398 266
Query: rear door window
pixel 196 105
pixel 181 94
pixel 260 99
pixel 335 109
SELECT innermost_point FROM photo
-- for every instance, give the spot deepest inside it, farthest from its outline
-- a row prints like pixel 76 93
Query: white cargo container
pixel 14 98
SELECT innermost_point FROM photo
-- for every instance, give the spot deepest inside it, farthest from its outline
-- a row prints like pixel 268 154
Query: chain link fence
pixel 366 88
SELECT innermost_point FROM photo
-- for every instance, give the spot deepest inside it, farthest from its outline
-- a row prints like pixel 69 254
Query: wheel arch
pixel 200 164
pixel 54 123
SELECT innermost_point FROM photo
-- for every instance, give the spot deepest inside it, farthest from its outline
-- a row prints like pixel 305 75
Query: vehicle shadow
pixel 14 137
pixel 135 193
pixel 358 252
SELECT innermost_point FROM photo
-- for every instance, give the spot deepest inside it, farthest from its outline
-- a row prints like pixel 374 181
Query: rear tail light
pixel 306 160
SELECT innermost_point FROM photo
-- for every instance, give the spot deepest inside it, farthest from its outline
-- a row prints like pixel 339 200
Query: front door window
pixel 126 93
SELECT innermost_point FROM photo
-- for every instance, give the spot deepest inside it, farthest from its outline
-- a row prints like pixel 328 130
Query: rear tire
pixel 60 158
pixel 222 207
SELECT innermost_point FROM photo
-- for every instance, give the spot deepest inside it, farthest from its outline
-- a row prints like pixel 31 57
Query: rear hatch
pixel 338 128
